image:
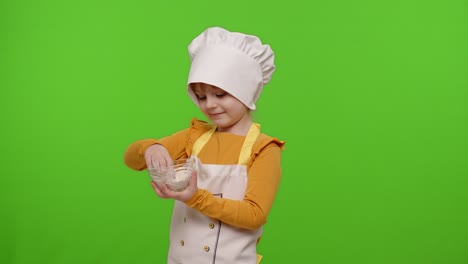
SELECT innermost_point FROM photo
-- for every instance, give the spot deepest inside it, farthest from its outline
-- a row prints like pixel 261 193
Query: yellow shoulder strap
pixel 201 141
pixel 249 141
pixel 246 150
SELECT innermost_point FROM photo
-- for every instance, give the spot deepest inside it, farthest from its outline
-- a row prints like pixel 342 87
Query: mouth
pixel 215 114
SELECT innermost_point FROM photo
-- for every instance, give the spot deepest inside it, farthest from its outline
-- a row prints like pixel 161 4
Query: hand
pixel 164 192
pixel 157 156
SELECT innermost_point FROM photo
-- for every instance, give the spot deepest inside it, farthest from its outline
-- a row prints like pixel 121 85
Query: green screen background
pixel 370 96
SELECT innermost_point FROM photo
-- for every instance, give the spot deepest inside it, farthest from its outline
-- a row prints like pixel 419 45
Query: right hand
pixel 157 156
pixel 164 192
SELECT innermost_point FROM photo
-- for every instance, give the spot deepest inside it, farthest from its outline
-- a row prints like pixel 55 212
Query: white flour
pixel 181 175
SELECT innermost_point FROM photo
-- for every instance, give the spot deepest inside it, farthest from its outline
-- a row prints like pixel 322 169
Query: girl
pixel 219 217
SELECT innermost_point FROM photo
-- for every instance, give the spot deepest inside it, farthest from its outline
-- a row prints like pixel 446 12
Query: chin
pixel 221 124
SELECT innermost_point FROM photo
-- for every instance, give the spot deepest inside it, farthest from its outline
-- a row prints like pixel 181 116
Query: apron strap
pixel 249 141
pixel 246 150
pixel 201 141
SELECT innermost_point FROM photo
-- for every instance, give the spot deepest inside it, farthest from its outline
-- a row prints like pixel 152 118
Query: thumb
pixel 194 177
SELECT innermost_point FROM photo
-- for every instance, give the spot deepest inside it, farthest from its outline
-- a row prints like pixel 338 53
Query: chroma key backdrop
pixel 371 98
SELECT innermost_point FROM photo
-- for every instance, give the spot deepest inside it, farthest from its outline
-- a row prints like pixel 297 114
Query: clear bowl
pixel 176 177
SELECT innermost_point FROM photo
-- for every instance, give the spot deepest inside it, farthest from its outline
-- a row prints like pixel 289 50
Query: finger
pixel 194 177
pixel 157 190
pixel 148 158
pixel 168 192
pixel 149 163
pixel 162 163
pixel 165 189
pixel 169 161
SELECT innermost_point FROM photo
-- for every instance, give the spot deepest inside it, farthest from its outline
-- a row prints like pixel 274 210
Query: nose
pixel 211 102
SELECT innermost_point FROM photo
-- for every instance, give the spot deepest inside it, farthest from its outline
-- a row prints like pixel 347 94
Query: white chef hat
pixel 237 63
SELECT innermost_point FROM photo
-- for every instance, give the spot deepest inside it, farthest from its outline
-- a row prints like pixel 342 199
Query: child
pixel 218 218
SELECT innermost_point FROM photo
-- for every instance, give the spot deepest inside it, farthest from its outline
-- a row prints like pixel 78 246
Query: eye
pixel 201 97
pixel 219 95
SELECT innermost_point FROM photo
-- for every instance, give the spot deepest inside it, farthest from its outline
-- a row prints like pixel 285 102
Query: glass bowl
pixel 176 176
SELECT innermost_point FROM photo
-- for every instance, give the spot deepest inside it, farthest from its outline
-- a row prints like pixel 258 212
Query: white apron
pixel 198 239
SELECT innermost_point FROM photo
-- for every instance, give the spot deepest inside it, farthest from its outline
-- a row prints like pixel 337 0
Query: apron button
pixel 211 225
pixel 182 243
pixel 206 248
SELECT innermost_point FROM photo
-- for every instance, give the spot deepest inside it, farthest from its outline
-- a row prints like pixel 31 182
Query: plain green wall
pixel 370 96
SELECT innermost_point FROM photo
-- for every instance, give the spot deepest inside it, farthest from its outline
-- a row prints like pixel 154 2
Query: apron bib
pixel 199 239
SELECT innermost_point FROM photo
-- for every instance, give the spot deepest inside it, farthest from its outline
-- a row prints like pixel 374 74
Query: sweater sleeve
pixel 134 156
pixel 179 145
pixel 264 176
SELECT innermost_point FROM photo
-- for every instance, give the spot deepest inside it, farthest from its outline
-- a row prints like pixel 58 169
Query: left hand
pixel 164 192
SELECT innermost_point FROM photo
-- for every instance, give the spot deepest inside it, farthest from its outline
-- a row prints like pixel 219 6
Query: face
pixel 224 110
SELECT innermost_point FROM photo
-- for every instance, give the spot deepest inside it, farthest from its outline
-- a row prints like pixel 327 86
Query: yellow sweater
pixel 264 171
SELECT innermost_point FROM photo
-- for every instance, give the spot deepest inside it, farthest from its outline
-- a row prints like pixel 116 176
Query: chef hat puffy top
pixel 237 63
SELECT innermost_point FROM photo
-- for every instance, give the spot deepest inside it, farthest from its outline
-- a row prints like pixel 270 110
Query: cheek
pixel 239 107
pixel 232 103
pixel 202 106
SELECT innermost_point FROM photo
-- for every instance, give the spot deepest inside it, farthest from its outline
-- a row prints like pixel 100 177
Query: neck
pixel 241 128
